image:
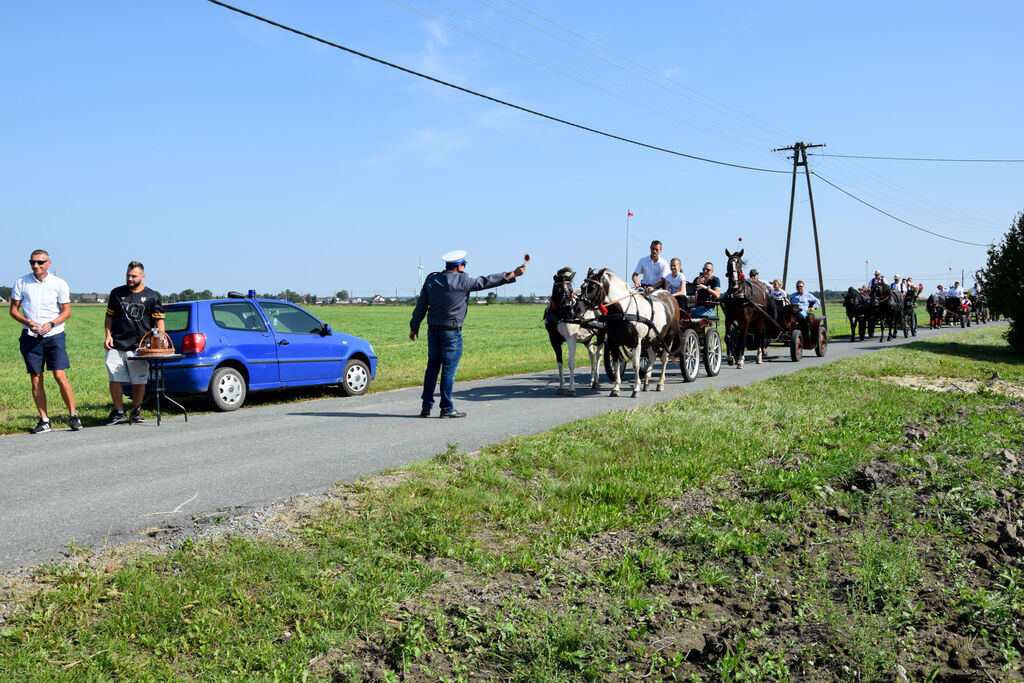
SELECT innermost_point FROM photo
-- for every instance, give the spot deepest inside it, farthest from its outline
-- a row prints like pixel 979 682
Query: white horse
pixel 634 322
pixel 567 322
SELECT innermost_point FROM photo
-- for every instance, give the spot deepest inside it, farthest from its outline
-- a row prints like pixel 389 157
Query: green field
pixel 839 523
pixel 499 340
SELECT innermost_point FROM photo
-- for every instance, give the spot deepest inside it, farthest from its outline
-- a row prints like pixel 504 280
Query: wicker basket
pixel 155 343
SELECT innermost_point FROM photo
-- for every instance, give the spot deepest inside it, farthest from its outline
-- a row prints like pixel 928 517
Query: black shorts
pixel 43 353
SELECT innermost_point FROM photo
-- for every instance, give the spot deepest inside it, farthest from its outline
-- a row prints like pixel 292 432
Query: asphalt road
pixel 107 484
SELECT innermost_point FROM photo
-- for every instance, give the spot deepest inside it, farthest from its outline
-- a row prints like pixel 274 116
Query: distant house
pixel 378 299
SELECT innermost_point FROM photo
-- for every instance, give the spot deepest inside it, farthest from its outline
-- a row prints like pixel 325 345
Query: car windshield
pixel 291 319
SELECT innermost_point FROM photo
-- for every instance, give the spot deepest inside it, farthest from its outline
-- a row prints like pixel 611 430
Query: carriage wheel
pixel 689 354
pixel 712 352
pixel 796 345
pixel 963 320
pixel 822 344
pixel 913 324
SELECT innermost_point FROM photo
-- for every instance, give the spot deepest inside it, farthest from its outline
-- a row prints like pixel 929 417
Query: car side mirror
pixel 327 330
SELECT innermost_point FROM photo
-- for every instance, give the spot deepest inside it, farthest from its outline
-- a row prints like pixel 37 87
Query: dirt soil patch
pixel 958 385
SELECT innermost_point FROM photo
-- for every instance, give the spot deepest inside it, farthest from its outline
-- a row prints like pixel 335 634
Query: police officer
pixel 444 300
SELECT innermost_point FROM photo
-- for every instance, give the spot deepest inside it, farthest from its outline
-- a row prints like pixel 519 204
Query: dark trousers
pixel 444 349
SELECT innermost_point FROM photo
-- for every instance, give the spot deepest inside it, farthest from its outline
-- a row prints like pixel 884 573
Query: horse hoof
pixel 560 390
pixel 595 386
pixel 660 388
pixel 759 361
pixel 615 393
pixel 571 392
pixel 728 361
pixel 633 395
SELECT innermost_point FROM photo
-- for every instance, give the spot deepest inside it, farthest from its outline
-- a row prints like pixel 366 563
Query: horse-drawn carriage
pixel 798 333
pixel 628 325
pixel 754 322
pixel 958 310
pixel 979 307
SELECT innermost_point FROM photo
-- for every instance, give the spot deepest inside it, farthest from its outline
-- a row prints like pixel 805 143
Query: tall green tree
pixel 1002 281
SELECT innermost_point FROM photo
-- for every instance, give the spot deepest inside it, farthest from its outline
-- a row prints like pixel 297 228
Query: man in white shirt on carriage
pixel 651 271
pixel 898 285
pixel 955 290
pixel 876 279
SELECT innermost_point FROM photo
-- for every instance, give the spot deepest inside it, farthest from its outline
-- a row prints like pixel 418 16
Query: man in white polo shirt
pixel 45 303
pixel 651 271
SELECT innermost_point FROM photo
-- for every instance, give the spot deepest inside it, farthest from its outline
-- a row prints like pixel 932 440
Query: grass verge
pixel 826 525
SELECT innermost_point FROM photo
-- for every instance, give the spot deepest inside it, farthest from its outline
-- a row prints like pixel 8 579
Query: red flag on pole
pixel 628 214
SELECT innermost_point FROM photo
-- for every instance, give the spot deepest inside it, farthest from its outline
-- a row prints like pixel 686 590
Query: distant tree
pixel 342 295
pixel 205 294
pixel 1001 281
pixel 520 299
pixel 492 298
pixel 5 292
pixel 187 295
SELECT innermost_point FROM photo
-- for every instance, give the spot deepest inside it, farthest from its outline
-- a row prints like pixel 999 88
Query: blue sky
pixel 228 154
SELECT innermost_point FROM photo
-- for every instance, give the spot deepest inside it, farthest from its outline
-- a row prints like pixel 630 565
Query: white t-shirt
pixel 675 284
pixel 40 301
pixel 650 272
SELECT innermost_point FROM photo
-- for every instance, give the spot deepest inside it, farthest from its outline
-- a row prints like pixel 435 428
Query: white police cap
pixel 454 258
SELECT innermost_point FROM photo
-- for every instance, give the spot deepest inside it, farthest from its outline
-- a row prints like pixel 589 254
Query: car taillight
pixel 193 343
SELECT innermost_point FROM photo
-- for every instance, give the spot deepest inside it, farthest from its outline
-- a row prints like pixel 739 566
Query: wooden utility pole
pixel 799 150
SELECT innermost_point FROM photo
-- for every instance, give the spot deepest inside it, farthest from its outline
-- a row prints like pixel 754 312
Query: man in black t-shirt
pixel 709 288
pixel 133 309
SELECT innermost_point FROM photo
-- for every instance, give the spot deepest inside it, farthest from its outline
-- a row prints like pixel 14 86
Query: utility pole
pixel 799 157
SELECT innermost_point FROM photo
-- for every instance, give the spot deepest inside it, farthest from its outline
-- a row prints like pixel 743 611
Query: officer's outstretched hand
pixel 518 272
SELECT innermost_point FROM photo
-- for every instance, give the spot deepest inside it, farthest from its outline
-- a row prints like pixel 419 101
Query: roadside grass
pixel 499 340
pixel 825 525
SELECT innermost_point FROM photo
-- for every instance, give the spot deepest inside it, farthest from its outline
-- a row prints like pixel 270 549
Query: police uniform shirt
pixel 444 298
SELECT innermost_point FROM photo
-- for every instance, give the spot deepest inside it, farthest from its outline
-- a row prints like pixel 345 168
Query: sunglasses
pixel 36 263
pixel 705 270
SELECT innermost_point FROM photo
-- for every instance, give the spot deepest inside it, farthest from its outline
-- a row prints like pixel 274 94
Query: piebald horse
pixel 746 306
pixel 566 322
pixel 634 322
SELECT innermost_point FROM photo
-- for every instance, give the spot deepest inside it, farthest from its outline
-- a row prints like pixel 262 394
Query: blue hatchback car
pixel 240 344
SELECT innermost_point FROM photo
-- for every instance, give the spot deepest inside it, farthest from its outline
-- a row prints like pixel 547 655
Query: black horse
pixel 858 310
pixel 747 306
pixel 890 311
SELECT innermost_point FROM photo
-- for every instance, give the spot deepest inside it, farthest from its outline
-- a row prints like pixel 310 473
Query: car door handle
pixel 284 342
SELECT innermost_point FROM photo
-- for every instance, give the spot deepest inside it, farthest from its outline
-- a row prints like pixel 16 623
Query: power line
pixel 486 97
pixel 565 74
pixel 916 227
pixel 964 161
pixel 764 125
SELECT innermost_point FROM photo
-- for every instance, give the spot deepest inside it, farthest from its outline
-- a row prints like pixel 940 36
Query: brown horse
pixel 747 309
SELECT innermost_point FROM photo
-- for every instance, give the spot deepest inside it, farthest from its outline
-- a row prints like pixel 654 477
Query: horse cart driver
pixel 805 302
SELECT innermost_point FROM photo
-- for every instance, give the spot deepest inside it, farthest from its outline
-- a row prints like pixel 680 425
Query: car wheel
pixel 356 378
pixel 227 389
